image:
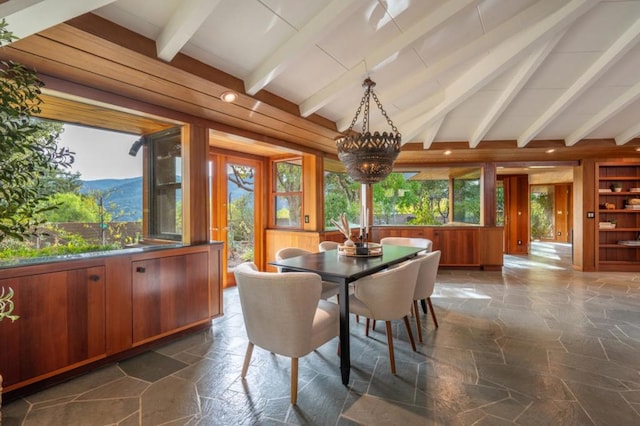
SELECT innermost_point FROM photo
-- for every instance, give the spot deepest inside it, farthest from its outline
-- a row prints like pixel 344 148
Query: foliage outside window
pixel 542 212
pixel 466 200
pixel 240 214
pixel 415 199
pixel 287 195
pixel 83 213
pixel 398 200
pixel 341 195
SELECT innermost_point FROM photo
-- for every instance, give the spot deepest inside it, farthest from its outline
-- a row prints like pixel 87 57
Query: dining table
pixel 344 269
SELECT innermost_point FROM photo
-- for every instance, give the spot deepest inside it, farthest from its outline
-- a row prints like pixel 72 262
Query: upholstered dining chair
pixel 425 282
pixel 283 313
pixel 327 245
pixel 387 295
pixel 328 289
pixel 424 243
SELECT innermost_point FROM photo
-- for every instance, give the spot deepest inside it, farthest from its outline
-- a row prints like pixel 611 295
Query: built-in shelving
pixel 617 222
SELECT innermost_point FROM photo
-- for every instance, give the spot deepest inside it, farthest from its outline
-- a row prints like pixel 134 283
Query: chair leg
pixel 433 313
pixel 392 358
pixel 416 316
pixel 366 328
pixel 294 381
pixel 424 306
pixel 373 327
pixel 247 359
pixel 410 333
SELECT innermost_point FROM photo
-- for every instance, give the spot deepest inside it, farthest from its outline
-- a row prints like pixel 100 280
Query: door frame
pixel 218 200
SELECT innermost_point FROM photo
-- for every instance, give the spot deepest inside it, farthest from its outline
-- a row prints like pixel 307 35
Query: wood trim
pixel 195 144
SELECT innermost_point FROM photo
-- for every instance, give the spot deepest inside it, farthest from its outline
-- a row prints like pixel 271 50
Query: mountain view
pixel 122 197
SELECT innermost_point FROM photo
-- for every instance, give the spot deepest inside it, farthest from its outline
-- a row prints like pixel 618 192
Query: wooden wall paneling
pixel 195 191
pixel 488 195
pixel 276 239
pixel 313 192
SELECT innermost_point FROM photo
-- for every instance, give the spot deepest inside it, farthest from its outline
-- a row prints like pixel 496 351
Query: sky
pixel 101 154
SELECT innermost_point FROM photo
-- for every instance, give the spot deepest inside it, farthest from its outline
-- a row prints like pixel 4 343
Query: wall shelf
pixel 610 254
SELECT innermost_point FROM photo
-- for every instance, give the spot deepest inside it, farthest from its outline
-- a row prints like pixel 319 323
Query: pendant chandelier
pixel 368 157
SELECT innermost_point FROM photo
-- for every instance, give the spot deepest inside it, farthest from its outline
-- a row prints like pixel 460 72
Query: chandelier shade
pixel 369 157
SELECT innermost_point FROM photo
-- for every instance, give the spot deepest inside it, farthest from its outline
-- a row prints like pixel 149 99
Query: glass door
pixel 235 210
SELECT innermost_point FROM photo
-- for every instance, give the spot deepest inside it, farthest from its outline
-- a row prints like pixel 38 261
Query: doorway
pixel 551 210
pixel 235 210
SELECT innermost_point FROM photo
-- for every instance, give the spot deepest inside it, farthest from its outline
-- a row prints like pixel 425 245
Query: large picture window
pixel 433 197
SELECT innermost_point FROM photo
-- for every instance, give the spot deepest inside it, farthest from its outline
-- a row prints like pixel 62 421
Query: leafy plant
pixel 28 148
pixel 6 305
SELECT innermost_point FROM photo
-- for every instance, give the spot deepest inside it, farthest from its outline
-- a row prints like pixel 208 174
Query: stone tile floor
pixel 535 344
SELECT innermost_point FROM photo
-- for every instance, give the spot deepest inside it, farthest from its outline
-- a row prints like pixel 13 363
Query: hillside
pixel 122 197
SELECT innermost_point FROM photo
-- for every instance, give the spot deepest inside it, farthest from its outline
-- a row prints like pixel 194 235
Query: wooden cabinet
pixel 618 216
pixel 169 293
pixel 80 312
pixel 61 325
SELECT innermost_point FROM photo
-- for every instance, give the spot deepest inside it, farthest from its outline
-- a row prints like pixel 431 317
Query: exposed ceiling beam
pixel 429 135
pixel 182 25
pixel 29 17
pixel 493 64
pixel 516 83
pixel 319 26
pixel 605 114
pixel 405 39
pixel 627 135
pixel 616 51
pixel 482 44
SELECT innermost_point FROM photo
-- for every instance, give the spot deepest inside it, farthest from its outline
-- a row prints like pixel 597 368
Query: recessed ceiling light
pixel 447 152
pixel 229 96
pixel 638 148
pixel 550 150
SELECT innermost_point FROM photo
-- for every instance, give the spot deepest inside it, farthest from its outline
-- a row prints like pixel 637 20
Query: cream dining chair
pixel 283 313
pixel 328 245
pixel 425 282
pixel 424 243
pixel 386 295
pixel 328 289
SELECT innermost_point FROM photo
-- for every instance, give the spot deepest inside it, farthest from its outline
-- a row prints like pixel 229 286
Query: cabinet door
pixel 61 323
pixel 169 293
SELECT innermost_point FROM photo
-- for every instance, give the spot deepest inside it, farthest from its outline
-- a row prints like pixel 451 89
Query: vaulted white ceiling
pixel 456 70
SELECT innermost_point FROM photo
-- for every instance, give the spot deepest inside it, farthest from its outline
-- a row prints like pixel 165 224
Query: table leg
pixel 345 357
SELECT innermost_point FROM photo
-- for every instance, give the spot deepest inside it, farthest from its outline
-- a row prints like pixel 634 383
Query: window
pixel 165 192
pixel 287 195
pixel 423 198
pixel 94 205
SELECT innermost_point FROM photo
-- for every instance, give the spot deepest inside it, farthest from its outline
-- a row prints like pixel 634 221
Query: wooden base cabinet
pixel 618 216
pixel 90 310
pixel 169 293
pixel 61 324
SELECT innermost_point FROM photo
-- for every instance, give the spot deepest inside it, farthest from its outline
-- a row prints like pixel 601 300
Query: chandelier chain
pixel 384 113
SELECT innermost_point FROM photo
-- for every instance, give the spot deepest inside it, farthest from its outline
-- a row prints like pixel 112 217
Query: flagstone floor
pixel 535 344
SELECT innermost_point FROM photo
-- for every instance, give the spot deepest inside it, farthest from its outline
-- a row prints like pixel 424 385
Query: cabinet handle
pixel 94 277
pixel 141 269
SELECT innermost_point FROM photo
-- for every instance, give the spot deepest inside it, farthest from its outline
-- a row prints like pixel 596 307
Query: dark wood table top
pixel 340 268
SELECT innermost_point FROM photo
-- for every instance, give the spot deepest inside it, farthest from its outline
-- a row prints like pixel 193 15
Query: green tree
pixel 341 195
pixel 28 148
pixel 71 207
